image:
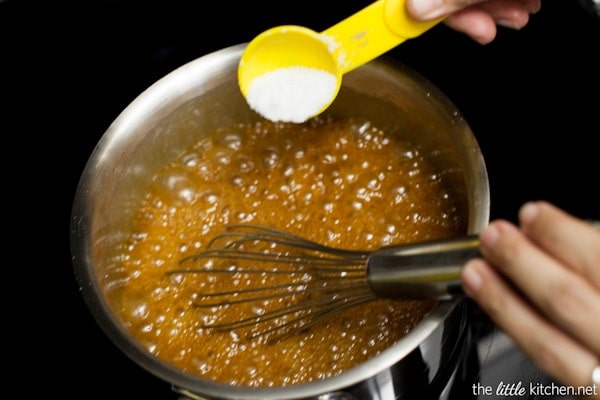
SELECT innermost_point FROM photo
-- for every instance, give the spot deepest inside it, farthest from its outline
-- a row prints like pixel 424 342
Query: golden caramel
pixel 342 183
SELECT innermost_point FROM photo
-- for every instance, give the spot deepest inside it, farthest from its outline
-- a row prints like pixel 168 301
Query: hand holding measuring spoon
pixel 476 18
pixel 291 73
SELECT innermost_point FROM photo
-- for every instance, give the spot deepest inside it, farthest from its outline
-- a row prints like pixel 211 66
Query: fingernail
pixel 528 213
pixel 489 236
pixel 510 24
pixel 471 278
pixel 426 9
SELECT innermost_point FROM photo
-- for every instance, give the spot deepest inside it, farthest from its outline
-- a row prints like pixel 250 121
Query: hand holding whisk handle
pixel 284 282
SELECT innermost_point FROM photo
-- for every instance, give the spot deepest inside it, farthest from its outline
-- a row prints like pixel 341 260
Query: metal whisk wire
pixel 320 280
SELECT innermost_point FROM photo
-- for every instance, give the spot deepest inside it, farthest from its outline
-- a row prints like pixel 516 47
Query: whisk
pixel 297 282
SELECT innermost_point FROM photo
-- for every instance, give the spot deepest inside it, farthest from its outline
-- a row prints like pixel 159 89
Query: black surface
pixel 68 69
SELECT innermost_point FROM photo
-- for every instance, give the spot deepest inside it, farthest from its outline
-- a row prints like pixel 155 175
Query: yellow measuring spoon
pixel 291 73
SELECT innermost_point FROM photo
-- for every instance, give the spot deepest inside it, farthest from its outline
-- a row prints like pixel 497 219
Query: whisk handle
pixel 424 270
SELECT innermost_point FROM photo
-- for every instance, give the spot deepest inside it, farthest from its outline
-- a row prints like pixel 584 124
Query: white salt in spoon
pixel 291 73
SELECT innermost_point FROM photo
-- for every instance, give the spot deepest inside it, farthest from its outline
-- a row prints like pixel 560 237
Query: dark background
pixel 69 68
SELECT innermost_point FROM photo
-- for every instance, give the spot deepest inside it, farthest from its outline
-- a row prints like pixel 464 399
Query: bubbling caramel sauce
pixel 342 183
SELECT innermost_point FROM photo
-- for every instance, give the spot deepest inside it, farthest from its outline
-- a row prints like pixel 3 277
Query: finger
pixel 568 239
pixel 531 6
pixel 475 23
pixel 431 9
pixel 479 21
pixel 563 296
pixel 550 348
pixel 510 14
